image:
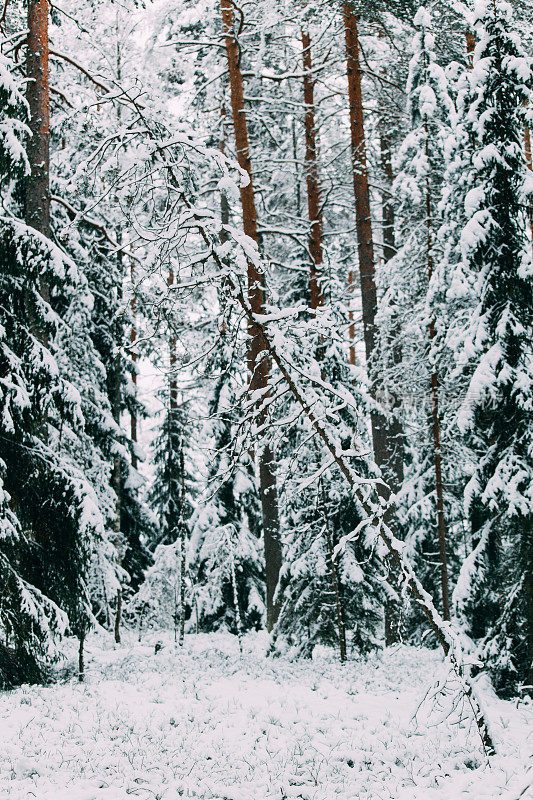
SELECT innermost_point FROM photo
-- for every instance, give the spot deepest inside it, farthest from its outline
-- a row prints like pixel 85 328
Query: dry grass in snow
pixel 205 722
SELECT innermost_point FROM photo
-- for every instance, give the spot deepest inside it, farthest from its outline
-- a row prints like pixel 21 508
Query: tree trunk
pixel 115 392
pixel 37 185
pixel 81 660
pixel 435 427
pixel 258 364
pixel 387 205
pixel 37 209
pixel 386 438
pixel 118 616
pixel 312 177
pixel 470 37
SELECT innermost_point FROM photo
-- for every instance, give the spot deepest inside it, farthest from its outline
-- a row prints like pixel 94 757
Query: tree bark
pixel 387 205
pixel 180 522
pixel 435 423
pixel 37 185
pixel 316 223
pixel 258 362
pixel 386 439
pixel 81 659
pixel 37 209
pixel 118 617
pixel 470 37
pixel 182 548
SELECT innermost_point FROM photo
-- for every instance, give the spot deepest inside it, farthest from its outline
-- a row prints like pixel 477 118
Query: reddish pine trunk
pixel 258 365
pixel 37 188
pixel 387 445
pixel 38 97
pixel 387 455
pixel 470 46
pixel 312 178
pixel 360 181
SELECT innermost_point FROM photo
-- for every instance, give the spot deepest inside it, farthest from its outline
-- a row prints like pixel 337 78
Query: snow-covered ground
pixel 205 722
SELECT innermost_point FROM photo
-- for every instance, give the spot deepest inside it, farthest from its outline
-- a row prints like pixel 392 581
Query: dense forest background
pixel 266 326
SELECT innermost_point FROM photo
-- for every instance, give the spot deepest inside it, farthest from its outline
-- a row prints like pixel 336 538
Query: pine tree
pixel 50 511
pixel 494 352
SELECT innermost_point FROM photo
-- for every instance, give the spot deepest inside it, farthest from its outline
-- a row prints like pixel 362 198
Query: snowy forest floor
pixel 204 722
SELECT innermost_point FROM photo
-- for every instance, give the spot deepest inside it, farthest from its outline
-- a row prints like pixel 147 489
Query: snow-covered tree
pixel 50 513
pixel 493 349
pixel 225 552
pixel 410 317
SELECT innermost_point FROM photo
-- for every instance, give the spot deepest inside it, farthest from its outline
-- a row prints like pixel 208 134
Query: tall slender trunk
pixel 365 244
pixel 435 418
pixel 258 362
pixel 387 205
pixel 115 396
pixel 118 616
pixel 395 353
pixel 387 445
pixel 37 210
pixel 81 653
pixel 528 588
pixel 470 37
pixel 314 208
pixel 116 373
pixel 37 186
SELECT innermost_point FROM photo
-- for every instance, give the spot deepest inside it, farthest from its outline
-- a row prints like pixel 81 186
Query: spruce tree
pixel 493 348
pixel 410 317
pixel 51 516
pixel 226 560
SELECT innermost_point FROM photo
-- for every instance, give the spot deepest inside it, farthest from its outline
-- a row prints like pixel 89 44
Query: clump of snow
pixel 203 721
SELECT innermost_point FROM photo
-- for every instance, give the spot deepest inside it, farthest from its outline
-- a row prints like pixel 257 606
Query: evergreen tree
pixel 410 318
pixel 50 515
pixel 494 351
pixel 226 560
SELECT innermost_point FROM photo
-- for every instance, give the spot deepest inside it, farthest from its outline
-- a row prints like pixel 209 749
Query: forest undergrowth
pixel 204 721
